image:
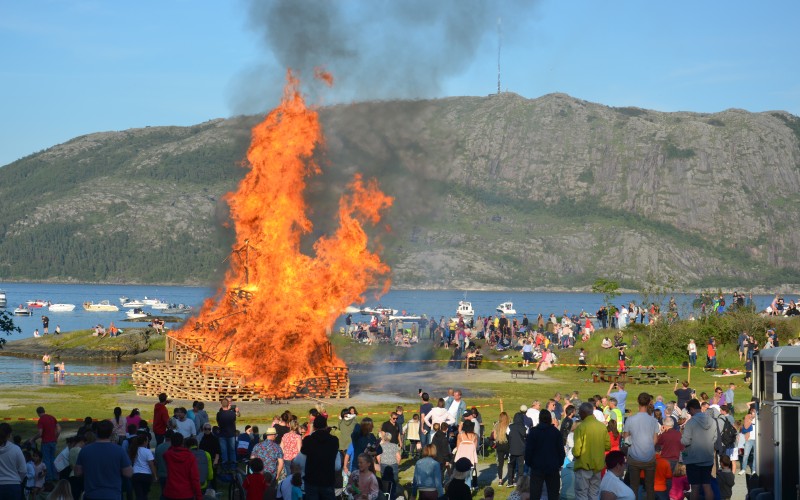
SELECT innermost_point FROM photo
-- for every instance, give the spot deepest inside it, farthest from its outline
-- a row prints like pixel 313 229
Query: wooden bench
pixel 527 373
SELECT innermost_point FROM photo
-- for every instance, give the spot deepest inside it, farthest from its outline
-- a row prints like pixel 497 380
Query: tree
pixel 609 289
pixel 7 326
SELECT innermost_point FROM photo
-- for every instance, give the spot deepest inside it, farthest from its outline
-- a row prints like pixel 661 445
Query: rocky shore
pixel 133 344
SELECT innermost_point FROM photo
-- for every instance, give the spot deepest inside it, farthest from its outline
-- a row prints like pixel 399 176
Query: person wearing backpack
pixel 726 442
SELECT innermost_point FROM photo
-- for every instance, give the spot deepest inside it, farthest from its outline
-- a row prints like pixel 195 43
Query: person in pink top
pixel 680 483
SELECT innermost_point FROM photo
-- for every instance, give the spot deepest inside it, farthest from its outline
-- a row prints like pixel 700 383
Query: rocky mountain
pixel 490 192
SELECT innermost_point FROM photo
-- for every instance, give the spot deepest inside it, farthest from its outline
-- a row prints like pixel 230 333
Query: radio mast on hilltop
pixel 499 46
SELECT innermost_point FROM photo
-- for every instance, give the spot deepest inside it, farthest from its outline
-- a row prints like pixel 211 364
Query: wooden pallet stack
pixel 184 375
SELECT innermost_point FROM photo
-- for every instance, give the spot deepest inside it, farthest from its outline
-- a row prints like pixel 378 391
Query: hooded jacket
pixel 346 426
pixel 699 435
pixel 12 464
pixel 516 435
pixel 183 476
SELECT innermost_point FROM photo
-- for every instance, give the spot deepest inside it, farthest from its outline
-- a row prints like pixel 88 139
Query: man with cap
pixel 270 453
pixel 321 450
pixel 457 489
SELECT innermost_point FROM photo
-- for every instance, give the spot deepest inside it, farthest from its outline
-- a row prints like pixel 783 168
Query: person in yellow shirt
pixel 591 444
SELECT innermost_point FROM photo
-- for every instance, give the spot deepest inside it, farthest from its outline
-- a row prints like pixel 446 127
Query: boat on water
pixel 135 313
pixel 506 308
pixel 352 310
pixel 102 306
pixel 61 307
pixel 406 318
pixel 37 304
pixel 3 301
pixel 465 309
pixel 159 305
pixel 380 311
pixel 22 311
pixel 149 302
pixel 178 309
pixel 132 303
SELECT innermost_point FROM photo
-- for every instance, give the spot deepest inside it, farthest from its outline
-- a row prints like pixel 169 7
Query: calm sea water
pixel 431 303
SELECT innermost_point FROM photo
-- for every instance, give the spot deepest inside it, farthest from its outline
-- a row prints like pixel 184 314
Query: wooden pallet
pixel 186 373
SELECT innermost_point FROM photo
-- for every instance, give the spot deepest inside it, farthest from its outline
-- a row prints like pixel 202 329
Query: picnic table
pixel 650 376
pixel 611 375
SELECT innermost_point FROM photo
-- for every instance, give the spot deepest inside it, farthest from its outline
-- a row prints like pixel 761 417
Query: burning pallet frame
pixel 185 374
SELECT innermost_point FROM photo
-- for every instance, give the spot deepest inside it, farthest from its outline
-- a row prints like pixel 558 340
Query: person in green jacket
pixel 347 422
pixel 591 444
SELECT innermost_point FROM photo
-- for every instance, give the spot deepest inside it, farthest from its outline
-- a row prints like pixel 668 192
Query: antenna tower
pixel 499 46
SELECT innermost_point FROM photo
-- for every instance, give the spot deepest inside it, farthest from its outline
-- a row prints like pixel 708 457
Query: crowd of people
pixel 689 445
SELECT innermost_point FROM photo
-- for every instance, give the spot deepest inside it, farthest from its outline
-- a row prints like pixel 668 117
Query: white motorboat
pixel 408 318
pixel 102 306
pixel 22 311
pixel 352 310
pixel 135 313
pixel 61 307
pixel 380 311
pixel 465 309
pixel 506 308
pixel 178 309
pixel 150 302
pixel 123 299
pixel 159 305
pixel 132 303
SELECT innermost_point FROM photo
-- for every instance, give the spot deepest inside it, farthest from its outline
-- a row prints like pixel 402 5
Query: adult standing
pixel 692 350
pixel 670 441
pixel 591 444
pixel 270 452
pixel 390 426
pixel 684 394
pixel 184 425
pixel 620 394
pixel 321 450
pixel 347 422
pixel 699 435
pixel 226 421
pixel 48 432
pixel 425 428
pixel 711 354
pixel 160 418
pixel 641 433
pixel 45 325
pixel 544 454
pixel 102 465
pixel 12 465
pixel 183 475
pixel 427 476
pixel 456 406
pixel 516 449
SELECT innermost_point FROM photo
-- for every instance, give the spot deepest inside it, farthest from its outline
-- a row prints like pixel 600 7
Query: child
pixel 35 473
pixel 663 475
pixel 255 484
pixel 582 360
pixel 243 442
pixel 488 493
pixel 411 431
pixel 680 483
pixel 297 490
pixel 725 477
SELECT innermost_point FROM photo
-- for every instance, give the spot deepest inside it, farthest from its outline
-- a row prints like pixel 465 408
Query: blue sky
pixel 76 67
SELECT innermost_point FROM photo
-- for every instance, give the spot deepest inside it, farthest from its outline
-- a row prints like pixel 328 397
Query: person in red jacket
pixel 160 418
pixel 183 477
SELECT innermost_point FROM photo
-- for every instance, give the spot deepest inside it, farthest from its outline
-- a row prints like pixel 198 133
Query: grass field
pixel 486 388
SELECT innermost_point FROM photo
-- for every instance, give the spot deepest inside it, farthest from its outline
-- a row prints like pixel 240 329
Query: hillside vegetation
pixel 490 192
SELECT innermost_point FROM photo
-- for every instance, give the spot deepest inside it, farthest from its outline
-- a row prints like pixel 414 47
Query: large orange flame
pixel 270 317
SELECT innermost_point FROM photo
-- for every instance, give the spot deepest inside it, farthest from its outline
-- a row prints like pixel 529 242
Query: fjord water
pixel 433 303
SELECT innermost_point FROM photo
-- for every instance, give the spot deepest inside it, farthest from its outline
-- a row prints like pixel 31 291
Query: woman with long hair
pixel 61 491
pixel 501 446
pixel 364 441
pixel 613 434
pixel 290 443
pixel 363 485
pixel 118 434
pixel 467 446
pixel 144 466
pixel 133 419
pixel 427 476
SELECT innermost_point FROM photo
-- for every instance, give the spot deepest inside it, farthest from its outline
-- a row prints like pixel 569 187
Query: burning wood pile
pixel 268 319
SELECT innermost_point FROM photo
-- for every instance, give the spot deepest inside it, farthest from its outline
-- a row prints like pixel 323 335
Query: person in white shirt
pixel 184 425
pixel 533 412
pixel 612 487
pixel 439 415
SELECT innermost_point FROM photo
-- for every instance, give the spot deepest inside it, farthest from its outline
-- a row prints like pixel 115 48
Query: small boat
pixel 465 309
pixel 131 303
pixel 380 311
pixel 123 299
pixel 506 308
pixel 22 311
pixel 37 304
pixel 409 318
pixel 149 302
pixel 102 306
pixel 178 309
pixel 3 302
pixel 352 310
pixel 61 307
pixel 135 313
pixel 159 305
